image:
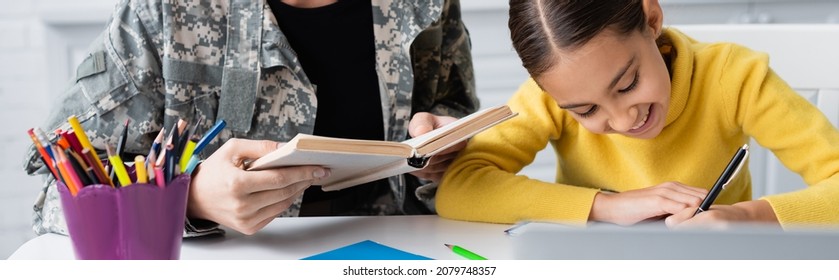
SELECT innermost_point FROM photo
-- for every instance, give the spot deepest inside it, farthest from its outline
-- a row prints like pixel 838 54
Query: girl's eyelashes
pixel 631 86
pixel 588 113
pixel 627 89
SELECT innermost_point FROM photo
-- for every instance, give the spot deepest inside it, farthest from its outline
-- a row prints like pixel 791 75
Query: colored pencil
pixel 186 154
pixel 158 174
pixel 70 178
pixel 140 168
pixel 193 162
pixel 87 154
pixel 150 166
pixel 122 138
pixel 169 167
pixel 155 146
pixel 120 145
pixel 73 140
pixel 191 133
pixel 80 134
pixel 179 141
pixel 43 152
pixel 77 168
pixel 60 140
pixel 118 167
pixel 85 172
pixel 209 136
pixel 464 253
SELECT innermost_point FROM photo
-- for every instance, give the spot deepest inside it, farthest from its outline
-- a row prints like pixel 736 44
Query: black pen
pixel 727 175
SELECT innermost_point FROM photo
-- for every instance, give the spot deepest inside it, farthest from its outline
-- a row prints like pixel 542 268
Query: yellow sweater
pixel 722 94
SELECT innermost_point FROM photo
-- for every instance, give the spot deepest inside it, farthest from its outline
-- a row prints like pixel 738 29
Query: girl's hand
pixel 631 207
pixel 223 192
pixel 724 216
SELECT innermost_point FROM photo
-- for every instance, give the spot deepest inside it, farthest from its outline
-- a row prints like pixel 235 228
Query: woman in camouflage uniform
pixel 269 75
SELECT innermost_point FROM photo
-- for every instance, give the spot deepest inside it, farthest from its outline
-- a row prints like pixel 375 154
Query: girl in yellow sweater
pixel 643 120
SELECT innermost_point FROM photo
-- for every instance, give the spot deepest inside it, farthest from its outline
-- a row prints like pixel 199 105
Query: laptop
pixel 654 241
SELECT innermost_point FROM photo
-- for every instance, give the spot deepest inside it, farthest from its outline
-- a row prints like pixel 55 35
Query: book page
pixel 306 149
pixel 457 131
pixel 341 145
pixel 390 169
pixel 343 166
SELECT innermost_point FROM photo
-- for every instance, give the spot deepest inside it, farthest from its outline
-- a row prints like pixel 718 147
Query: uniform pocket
pixel 192 90
pixel 102 83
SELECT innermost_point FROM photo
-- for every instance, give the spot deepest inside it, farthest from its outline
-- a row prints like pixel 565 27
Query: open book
pixel 354 162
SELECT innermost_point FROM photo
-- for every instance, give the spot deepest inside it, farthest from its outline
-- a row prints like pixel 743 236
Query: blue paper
pixel 366 250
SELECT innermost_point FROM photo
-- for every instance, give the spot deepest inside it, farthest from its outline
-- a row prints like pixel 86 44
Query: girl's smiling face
pixel 612 84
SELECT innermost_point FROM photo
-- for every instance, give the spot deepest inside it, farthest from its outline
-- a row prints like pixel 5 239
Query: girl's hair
pixel 540 28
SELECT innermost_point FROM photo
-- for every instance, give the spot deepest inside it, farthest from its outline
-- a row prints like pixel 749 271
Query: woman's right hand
pixel 631 207
pixel 223 192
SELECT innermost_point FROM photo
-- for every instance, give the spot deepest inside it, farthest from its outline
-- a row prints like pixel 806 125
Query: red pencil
pixel 73 140
pixel 48 160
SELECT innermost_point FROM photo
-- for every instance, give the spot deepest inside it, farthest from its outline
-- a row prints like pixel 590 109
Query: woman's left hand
pixel 725 216
pixel 423 123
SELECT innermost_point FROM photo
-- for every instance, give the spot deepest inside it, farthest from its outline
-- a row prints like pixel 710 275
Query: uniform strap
pixel 241 67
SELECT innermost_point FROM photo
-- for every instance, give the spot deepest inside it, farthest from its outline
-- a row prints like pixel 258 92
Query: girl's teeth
pixel 644 121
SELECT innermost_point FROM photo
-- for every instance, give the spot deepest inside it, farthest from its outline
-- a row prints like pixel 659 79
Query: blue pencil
pixel 211 134
pixel 169 167
pixel 155 146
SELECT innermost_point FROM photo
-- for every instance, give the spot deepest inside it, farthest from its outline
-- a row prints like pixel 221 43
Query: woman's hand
pixel 223 192
pixel 723 216
pixel 423 123
pixel 631 207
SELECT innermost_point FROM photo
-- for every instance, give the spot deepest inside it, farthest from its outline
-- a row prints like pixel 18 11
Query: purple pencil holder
pixel 137 222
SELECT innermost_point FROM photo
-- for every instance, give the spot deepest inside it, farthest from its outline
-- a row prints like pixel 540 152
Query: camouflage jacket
pixel 160 60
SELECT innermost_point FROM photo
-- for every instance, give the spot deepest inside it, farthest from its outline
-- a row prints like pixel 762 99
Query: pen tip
pixel 448 245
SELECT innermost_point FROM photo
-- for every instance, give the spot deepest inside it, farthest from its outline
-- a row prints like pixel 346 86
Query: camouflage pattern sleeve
pixel 443 74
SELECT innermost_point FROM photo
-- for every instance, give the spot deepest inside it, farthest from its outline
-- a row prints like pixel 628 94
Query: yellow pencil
pixel 140 167
pixel 188 148
pixel 119 167
pixel 79 131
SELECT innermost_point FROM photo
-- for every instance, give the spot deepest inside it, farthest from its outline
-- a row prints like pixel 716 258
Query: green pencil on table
pixel 465 253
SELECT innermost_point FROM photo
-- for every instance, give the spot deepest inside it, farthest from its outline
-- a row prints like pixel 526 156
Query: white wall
pixel 41 41
pixel 34 36
pixel 22 99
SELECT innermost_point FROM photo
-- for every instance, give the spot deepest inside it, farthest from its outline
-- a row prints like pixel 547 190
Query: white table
pixel 295 238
